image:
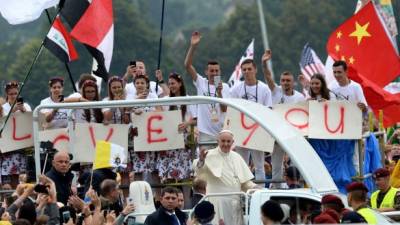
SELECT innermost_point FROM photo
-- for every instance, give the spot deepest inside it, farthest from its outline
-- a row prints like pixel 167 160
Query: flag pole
pixel 37 54
pixel 160 43
pixel 66 64
pixel 28 74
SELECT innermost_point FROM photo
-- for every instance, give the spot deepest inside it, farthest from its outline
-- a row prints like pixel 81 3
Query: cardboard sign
pixel 247 133
pixel 335 120
pixel 18 132
pixel 295 114
pixel 158 131
pixel 86 135
pixel 59 138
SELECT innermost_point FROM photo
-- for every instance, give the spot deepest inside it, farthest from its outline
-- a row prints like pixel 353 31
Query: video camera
pixel 47 147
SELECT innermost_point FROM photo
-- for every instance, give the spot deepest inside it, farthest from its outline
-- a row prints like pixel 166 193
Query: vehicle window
pixel 300 208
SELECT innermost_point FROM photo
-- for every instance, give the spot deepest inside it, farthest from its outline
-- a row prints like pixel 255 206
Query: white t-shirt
pixel 351 92
pixel 60 119
pixel 7 107
pixel 116 113
pixel 191 110
pixel 204 116
pixel 147 108
pixel 278 97
pixel 75 95
pixel 80 116
pixel 259 93
pixel 131 90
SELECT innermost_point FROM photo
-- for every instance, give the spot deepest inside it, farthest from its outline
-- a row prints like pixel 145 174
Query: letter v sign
pixel 92 135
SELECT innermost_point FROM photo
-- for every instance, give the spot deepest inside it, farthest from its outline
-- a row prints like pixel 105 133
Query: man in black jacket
pixel 168 213
pixel 61 175
pixel 199 191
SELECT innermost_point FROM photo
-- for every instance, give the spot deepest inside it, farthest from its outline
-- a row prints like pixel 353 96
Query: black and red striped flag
pixel 92 24
pixel 59 42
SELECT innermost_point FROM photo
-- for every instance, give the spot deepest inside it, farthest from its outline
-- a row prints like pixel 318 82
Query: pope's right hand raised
pixel 203 155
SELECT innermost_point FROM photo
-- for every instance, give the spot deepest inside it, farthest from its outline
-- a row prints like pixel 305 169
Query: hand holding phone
pixel 217 80
pixel 129 201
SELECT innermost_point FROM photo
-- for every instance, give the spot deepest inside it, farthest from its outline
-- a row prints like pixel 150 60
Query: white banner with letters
pixel 158 131
pixel 18 132
pixel 335 120
pixel 59 138
pixel 247 133
pixel 295 114
pixel 86 135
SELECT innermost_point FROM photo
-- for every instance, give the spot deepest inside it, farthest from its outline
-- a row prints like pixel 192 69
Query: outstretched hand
pixel 195 38
pixel 266 56
pixel 203 154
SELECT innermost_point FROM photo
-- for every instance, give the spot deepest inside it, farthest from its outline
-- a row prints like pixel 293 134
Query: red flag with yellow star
pixel 364 44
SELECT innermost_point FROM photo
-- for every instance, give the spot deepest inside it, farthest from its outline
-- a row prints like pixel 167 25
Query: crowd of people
pixel 83 196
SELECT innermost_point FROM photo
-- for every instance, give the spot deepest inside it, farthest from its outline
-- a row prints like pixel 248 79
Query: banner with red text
pixel 295 114
pixel 247 133
pixel 158 131
pixel 335 120
pixel 87 134
pixel 59 138
pixel 18 132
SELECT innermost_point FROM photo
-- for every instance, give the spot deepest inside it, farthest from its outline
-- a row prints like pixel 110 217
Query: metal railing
pixel 286 136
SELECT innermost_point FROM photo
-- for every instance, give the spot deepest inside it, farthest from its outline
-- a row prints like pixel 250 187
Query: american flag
pixel 310 63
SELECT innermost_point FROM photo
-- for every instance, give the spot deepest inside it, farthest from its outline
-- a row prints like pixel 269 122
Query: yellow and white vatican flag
pixel 109 155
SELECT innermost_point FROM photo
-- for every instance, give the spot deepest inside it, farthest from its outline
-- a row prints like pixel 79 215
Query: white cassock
pixel 225 172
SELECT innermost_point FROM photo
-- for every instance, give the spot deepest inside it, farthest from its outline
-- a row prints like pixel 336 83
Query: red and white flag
pixel 237 73
pixel 92 24
pixel 59 42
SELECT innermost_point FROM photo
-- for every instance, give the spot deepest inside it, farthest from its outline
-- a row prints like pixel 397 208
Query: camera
pixel 47 147
pixel 132 63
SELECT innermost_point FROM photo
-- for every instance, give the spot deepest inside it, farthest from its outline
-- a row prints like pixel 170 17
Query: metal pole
pixel 23 85
pixel 160 43
pixel 264 33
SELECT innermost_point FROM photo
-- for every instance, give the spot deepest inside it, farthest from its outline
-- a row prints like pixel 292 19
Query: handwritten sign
pixel 158 131
pixel 17 133
pixel 335 120
pixel 86 135
pixel 59 138
pixel 295 114
pixel 248 134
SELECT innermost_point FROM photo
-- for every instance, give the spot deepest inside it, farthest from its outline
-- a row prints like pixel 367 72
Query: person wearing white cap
pixel 225 171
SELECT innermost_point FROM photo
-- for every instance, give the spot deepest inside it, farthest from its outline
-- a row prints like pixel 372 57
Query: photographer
pixel 61 175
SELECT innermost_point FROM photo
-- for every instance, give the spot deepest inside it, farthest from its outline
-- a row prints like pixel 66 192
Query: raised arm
pixel 194 41
pixel 163 85
pixel 267 73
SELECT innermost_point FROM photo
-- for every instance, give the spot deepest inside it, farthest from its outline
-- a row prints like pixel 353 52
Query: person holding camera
pixel 11 91
pixel 55 118
pixel 61 175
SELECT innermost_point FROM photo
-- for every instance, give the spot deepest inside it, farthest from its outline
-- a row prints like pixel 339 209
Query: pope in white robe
pixel 225 171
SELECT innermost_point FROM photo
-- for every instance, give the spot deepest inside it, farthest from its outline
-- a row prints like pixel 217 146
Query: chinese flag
pixel 373 62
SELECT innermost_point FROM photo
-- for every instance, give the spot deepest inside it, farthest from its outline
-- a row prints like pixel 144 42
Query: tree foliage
pixel 227 28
